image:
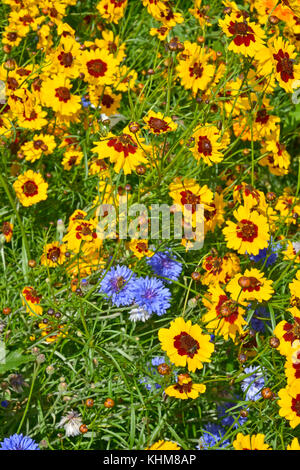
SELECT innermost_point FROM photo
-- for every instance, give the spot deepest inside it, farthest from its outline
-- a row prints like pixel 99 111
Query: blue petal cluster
pixel 119 285
pixel 164 264
pixel 212 437
pixel 151 295
pixel 18 442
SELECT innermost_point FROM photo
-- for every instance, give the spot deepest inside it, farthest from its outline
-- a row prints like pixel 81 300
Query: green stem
pixel 35 372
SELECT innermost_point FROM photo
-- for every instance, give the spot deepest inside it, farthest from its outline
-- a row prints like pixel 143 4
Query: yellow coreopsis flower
pixel 30 188
pixel 186 344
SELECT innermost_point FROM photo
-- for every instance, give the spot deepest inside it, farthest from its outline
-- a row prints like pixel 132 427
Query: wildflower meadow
pixel 149 243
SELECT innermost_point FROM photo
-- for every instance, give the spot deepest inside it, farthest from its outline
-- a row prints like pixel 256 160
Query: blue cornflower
pixel 211 437
pixel 152 295
pixel 118 284
pixel 271 253
pixel 18 442
pixel 253 384
pixel 4 403
pixel 164 265
pixel 228 417
pixel 256 323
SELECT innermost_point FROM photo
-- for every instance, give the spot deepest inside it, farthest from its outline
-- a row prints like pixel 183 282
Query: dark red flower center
pixel 96 68
pixel 12 36
pixel 227 309
pixel 204 145
pixel 54 254
pixel 292 330
pixel 6 229
pixel 65 59
pixel 30 188
pixel 187 197
pixel 158 125
pixel 284 65
pixel 296 405
pixel 63 94
pixel 124 143
pixel 262 116
pixel 242 32
pixel 247 230
pixel 107 100
pixel 186 345
pixel 196 70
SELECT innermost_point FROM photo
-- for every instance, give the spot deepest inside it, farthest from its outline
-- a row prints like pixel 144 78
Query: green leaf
pixel 13 360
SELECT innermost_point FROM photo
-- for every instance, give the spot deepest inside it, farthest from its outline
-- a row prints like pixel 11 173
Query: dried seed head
pixel 267 393
pixel 274 342
pixel 163 369
pixel 109 403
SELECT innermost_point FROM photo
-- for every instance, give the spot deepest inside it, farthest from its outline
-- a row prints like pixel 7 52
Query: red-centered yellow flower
pixel 279 57
pixel 25 20
pixel 288 331
pixel 248 442
pixel 77 216
pixel 186 192
pixel 225 315
pixel 158 124
pixel 252 285
pixel 140 248
pixel 245 36
pixel 30 188
pixel 154 7
pixel 276 151
pixel 164 445
pixel 218 270
pixel 185 388
pixel 289 208
pixel 112 10
pixel 65 58
pixel 53 254
pixel 7 230
pixel 200 13
pixel 289 403
pixel 112 44
pixel 294 445
pixel 98 167
pixel 207 145
pixel 126 151
pixel 185 344
pixel 98 67
pixel 71 159
pixel 170 18
pixel 31 299
pixel 82 236
pixel 244 193
pixel 41 144
pixel 56 94
pixel 161 32
pixel 194 70
pixel 250 234
pixel 124 78
pixel 52 332
pixel 104 98
pixel 10 36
